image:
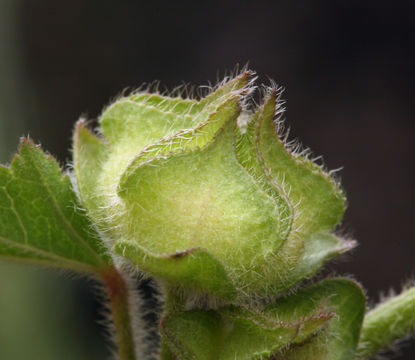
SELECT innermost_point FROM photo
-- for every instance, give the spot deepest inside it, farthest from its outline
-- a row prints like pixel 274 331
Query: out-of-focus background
pixel 348 71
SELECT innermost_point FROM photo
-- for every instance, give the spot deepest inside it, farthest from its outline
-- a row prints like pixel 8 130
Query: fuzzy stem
pixel 387 323
pixel 174 302
pixel 117 290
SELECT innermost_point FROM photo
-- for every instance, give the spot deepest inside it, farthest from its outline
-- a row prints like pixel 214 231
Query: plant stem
pixel 387 323
pixel 174 302
pixel 117 290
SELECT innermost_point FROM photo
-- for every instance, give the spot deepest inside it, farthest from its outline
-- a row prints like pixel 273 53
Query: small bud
pixel 205 195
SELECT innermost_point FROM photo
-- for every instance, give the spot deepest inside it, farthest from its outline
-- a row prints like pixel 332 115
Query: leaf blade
pixel 40 217
pixel 89 154
pixel 340 339
pixel 320 200
pixel 233 332
pixel 195 268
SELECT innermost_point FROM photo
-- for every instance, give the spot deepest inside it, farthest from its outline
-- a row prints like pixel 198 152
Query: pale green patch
pixel 205 198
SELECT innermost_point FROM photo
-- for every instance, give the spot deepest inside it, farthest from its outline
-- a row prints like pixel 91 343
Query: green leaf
pixel 319 202
pixel 319 248
pixel 40 218
pixel 131 120
pixel 143 119
pixel 339 340
pixel 235 333
pixel 182 141
pixel 302 254
pixel 228 87
pixel 282 331
pixel 247 153
pixel 194 268
pixel 178 105
pixel 90 153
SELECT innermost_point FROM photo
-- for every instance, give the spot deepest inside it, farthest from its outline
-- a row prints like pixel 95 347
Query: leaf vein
pixel 58 209
pixel 50 256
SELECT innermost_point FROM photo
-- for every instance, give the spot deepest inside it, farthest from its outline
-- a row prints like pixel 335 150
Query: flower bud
pixel 205 195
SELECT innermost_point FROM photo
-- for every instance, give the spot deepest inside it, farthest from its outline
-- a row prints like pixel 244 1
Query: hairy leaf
pixel 235 333
pixel 195 268
pixel 318 199
pixel 89 153
pixel 40 218
pixel 340 338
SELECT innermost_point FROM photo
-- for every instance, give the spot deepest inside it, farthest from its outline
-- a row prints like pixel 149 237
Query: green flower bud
pixel 204 195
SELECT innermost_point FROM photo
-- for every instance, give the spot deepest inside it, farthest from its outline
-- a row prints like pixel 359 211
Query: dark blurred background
pixel 348 72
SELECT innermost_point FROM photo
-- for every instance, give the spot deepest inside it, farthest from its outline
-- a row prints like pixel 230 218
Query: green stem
pixel 118 297
pixel 174 302
pixel 387 323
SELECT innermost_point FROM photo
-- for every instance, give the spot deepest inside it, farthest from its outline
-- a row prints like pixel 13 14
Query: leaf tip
pixel 25 141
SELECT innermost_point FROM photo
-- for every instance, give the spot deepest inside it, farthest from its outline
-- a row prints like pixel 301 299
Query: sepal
pixel 193 269
pixel 320 322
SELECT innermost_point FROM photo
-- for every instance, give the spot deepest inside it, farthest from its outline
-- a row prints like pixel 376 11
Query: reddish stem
pixel 117 291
